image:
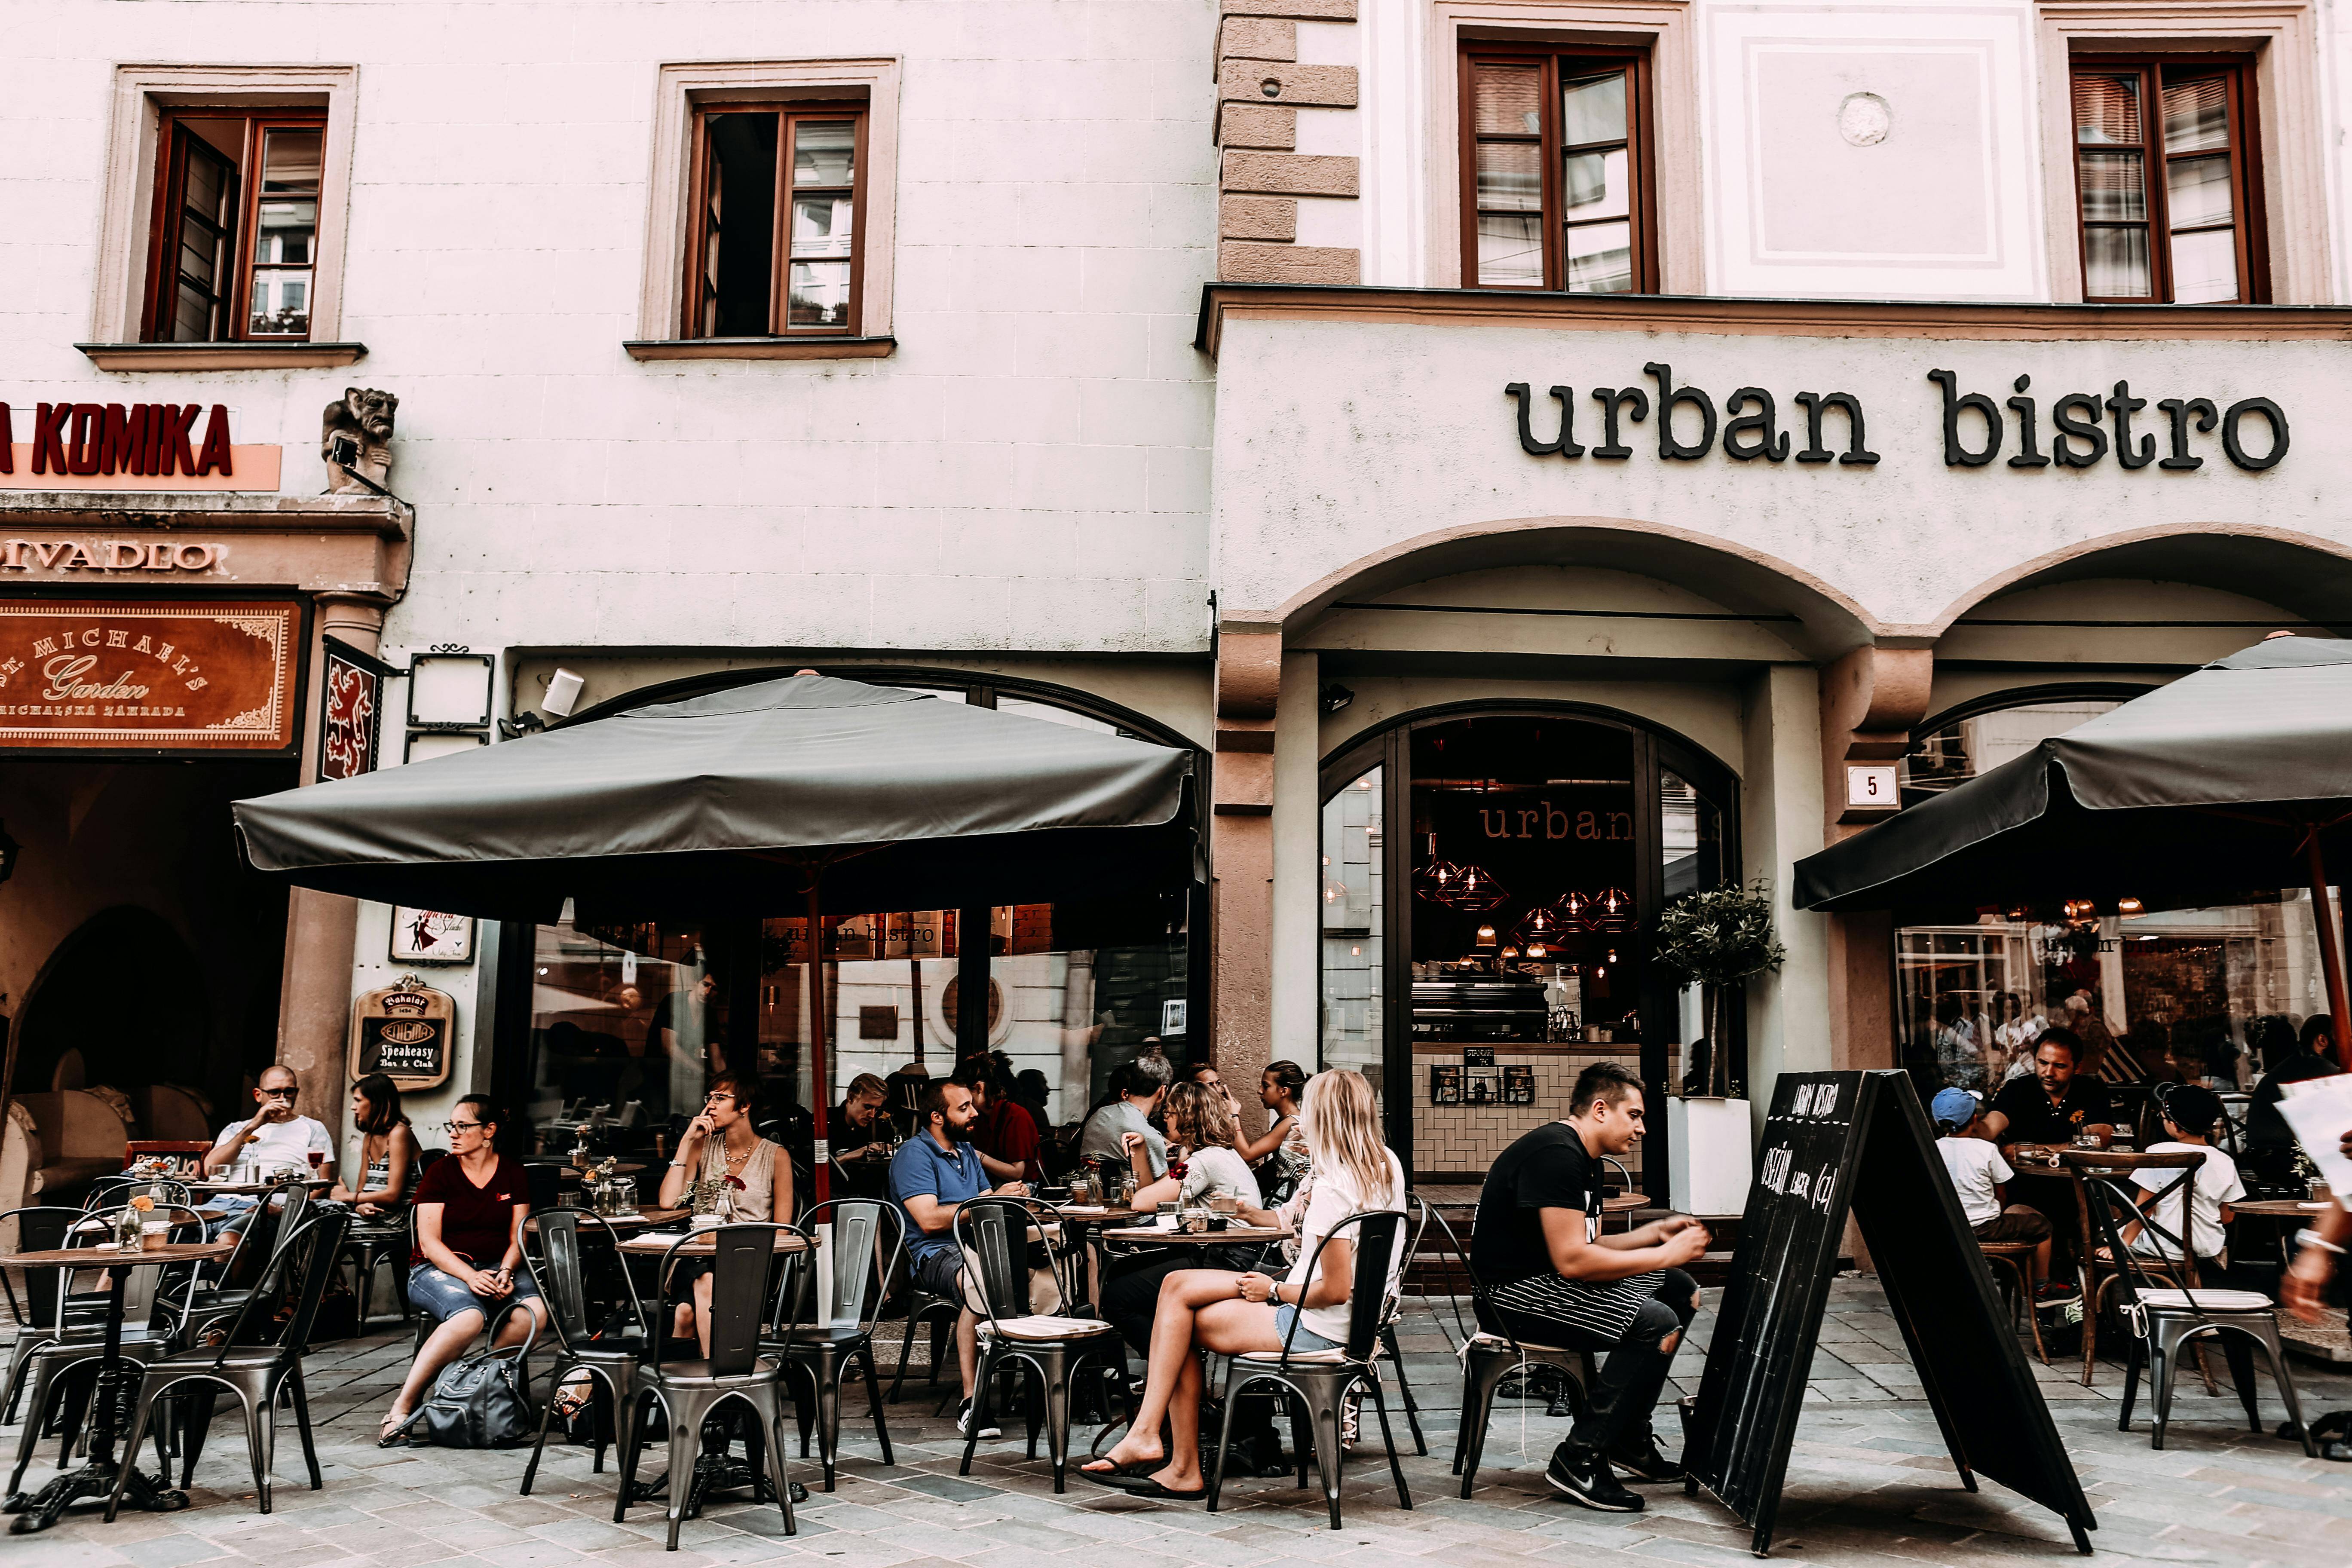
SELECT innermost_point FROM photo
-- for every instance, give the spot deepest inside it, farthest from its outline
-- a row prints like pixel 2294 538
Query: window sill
pixel 811 347
pixel 221 356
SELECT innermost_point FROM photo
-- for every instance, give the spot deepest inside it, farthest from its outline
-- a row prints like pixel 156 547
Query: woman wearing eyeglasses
pixel 468 1263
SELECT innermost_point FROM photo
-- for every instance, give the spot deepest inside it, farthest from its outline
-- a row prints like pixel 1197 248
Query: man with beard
pixel 936 1171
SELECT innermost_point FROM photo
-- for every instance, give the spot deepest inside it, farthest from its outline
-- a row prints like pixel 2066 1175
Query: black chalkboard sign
pixel 1837 1142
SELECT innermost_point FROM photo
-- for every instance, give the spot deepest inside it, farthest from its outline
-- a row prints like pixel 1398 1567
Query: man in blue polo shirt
pixel 938 1169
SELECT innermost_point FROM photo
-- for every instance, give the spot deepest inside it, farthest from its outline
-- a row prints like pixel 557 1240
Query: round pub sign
pixel 403 1032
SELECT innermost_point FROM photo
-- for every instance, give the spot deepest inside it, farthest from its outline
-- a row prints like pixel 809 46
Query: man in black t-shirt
pixel 1549 1276
pixel 2056 1103
pixel 2051 1106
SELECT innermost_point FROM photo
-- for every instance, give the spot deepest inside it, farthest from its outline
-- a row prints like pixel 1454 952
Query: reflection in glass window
pixel 757 227
pixel 1352 915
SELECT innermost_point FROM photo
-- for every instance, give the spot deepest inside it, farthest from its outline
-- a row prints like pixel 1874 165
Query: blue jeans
pixel 1307 1339
pixel 442 1297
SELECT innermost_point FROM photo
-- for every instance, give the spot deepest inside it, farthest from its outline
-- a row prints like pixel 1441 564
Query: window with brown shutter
pixel 235 229
pixel 1557 175
pixel 2166 182
pixel 774 220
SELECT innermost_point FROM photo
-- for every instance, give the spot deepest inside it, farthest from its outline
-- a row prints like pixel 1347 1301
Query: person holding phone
pixel 468 1262
pixel 741 1179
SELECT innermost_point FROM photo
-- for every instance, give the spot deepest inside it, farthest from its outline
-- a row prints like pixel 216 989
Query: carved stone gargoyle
pixel 357 434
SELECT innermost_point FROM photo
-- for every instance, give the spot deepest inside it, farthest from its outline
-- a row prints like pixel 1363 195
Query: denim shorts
pixel 441 1296
pixel 1307 1340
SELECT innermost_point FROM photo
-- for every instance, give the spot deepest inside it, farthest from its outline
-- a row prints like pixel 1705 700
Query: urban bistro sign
pixel 2081 430
pixel 129 446
pixel 148 675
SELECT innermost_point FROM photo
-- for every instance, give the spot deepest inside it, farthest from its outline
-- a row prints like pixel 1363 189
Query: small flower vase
pixel 129 1232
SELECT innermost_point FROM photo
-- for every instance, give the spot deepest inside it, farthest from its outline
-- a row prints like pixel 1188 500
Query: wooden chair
pixel 2014 1259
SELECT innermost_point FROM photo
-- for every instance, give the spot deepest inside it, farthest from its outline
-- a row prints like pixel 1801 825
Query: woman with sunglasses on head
pixel 468 1263
pixel 388 1149
pixel 742 1178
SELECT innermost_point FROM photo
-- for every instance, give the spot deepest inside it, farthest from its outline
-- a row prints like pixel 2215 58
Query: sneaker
pixel 1582 1476
pixel 1640 1461
pixel 963 1423
pixel 2054 1292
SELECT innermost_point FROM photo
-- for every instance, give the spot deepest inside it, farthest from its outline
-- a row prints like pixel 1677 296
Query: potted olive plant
pixel 1715 938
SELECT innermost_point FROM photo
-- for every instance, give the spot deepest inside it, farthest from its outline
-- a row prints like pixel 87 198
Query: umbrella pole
pixel 2331 957
pixel 820 1031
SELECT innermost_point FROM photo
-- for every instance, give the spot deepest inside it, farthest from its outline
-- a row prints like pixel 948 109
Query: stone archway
pixel 127 992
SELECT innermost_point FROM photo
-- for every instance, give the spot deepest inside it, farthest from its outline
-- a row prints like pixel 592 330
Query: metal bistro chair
pixel 1417 1213
pixel 47 1311
pixel 2014 1275
pixel 922 1306
pixel 372 1242
pixel 256 1370
pixel 994 1233
pixel 208 1304
pixel 1322 1379
pixel 150 1326
pixel 2163 1319
pixel 556 1267
pixel 1488 1355
pixel 692 1391
pixel 822 1354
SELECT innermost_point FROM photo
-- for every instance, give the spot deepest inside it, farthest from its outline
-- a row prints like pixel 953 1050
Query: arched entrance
pixel 155 1030
pixel 1491 876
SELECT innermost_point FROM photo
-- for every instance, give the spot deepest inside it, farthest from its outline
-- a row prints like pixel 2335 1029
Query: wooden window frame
pixel 1640 145
pixel 790 113
pixel 160 309
pixel 2250 219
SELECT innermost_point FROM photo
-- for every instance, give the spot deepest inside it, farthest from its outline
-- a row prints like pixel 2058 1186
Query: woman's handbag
pixel 484 1400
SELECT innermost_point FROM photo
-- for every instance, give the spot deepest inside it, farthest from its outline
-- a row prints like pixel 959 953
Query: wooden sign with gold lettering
pixel 212 675
pixel 403 1032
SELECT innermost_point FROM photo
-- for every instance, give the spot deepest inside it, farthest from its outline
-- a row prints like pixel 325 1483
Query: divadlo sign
pixel 2083 430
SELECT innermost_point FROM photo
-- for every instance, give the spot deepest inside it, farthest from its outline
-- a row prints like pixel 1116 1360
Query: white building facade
pixel 1125 363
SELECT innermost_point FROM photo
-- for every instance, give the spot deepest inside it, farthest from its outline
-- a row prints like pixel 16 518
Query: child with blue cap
pixel 1978 1174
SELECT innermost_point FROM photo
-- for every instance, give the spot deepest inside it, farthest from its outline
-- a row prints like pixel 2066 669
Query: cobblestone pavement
pixel 1868 1483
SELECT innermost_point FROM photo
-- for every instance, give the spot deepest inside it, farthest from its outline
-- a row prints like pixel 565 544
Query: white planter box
pixel 1709 1160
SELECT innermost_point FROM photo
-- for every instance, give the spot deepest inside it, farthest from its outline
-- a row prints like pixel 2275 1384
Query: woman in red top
pixel 468 1258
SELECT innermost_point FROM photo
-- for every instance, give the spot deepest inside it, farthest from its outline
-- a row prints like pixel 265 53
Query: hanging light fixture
pixel 1477 891
pixel 1572 907
pixel 1486 937
pixel 2130 906
pixel 1611 909
pixel 1538 925
pixel 1436 879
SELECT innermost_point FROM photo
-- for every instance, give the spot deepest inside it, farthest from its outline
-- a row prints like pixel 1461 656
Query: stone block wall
pixel 1262 88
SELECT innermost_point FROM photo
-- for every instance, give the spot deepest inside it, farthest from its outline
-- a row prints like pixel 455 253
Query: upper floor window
pixel 1559 170
pixel 775 219
pixel 2165 173
pixel 236 227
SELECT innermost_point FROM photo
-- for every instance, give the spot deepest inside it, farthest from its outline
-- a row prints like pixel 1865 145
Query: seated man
pixel 274 1137
pixel 860 1135
pixel 1552 1278
pixel 1138 1095
pixel 1979 1175
pixel 2052 1107
pixel 934 1172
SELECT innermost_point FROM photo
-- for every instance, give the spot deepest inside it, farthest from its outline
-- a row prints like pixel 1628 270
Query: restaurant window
pixel 629 1019
pixel 236 230
pixel 2155 994
pixel 1557 171
pixel 774 224
pixel 2166 181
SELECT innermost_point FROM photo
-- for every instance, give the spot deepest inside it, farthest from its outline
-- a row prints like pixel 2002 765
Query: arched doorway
pixel 155 1030
pixel 1492 873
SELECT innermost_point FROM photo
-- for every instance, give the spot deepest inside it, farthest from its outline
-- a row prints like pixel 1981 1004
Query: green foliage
pixel 1719 936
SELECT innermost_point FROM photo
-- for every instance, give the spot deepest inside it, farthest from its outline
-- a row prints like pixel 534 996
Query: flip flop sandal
pixel 1129 1478
pixel 393 1433
pixel 1160 1493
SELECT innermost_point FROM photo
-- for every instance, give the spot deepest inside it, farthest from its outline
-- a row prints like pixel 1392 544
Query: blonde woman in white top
pixel 1212 1310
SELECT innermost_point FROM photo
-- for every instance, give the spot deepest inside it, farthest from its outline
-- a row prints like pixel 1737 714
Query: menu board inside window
pixel 211 675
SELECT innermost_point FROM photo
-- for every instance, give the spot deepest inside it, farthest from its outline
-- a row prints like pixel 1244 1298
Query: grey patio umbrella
pixel 2231 781
pixel 798 795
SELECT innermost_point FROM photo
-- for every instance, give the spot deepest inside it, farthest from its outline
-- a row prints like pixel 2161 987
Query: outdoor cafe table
pixel 1232 1236
pixel 644 1214
pixel 96 1475
pixel 700 1247
pixel 212 1189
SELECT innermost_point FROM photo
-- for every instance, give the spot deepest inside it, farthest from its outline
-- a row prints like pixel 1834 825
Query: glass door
pixel 1490 880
